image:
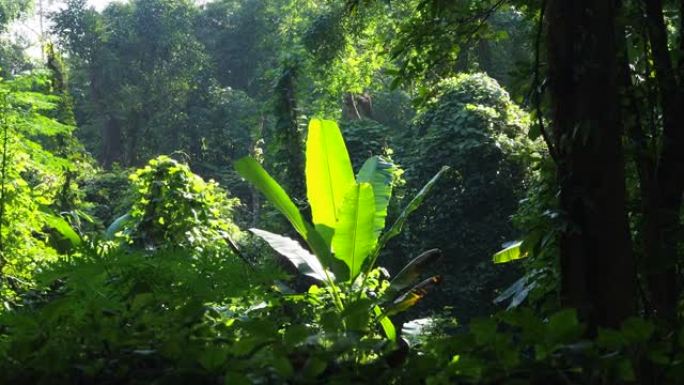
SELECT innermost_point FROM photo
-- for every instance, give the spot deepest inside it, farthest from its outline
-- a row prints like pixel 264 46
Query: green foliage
pixel 13 58
pixel 520 347
pixel 127 317
pixel 366 138
pixel 38 185
pixel 146 54
pixel 539 218
pixel 172 207
pixel 430 40
pixel 394 109
pixel 472 126
pixel 106 278
pixel 12 9
pixel 107 194
pixel 508 254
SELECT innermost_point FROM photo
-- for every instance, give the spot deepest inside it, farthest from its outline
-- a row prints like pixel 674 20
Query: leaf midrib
pixel 356 227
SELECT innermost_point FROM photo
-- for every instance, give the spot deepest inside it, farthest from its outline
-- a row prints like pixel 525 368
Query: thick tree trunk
pixel 662 216
pixel 112 148
pixel 290 149
pixel 597 263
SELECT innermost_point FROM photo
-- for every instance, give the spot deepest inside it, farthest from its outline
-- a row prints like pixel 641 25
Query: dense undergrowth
pixel 420 242
pixel 172 292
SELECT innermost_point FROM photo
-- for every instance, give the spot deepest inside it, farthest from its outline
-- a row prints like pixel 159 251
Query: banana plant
pixel 348 230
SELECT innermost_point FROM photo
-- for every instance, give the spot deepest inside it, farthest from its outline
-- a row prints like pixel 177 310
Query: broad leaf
pixel 413 296
pixel 304 261
pixel 252 171
pixel 116 226
pixel 63 228
pixel 354 238
pixel 378 172
pixel 386 324
pixel 329 174
pixel 411 207
pixel 510 253
pixel 412 271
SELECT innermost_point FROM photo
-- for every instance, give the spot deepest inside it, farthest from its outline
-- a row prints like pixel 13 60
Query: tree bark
pixel 598 274
pixel 290 146
pixel 112 136
pixel 662 216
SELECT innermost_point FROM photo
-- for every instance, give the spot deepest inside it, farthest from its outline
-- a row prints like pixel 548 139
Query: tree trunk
pixel 597 264
pixel 290 146
pixel 112 149
pixel 111 142
pixel 663 214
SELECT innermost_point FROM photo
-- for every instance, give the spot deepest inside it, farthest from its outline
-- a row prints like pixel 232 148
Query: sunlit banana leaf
pixel 510 253
pixel 329 174
pixel 252 171
pixel 386 324
pixel 378 172
pixel 354 237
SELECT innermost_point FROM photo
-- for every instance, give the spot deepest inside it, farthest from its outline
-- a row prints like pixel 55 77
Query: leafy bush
pixel 172 207
pixel 472 126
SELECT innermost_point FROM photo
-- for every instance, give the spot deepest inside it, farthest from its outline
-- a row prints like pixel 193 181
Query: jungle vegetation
pixel 342 192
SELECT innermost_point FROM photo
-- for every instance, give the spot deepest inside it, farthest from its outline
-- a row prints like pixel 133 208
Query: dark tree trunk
pixel 290 149
pixel 112 136
pixel 662 216
pixel 597 264
pixel 111 142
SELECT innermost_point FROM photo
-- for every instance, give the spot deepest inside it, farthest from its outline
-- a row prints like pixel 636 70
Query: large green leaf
pixel 304 261
pixel 354 237
pixel 412 271
pixel 411 207
pixel 252 171
pixel 379 173
pixel 63 228
pixel 385 323
pixel 510 253
pixel 329 174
